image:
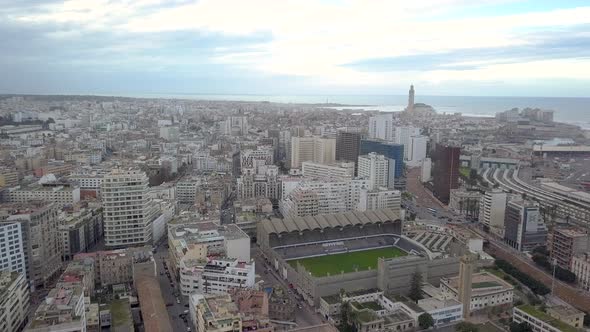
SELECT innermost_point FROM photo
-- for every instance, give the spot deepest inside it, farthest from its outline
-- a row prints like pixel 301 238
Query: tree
pixel 425 321
pixel 345 318
pixel 466 327
pixel 416 287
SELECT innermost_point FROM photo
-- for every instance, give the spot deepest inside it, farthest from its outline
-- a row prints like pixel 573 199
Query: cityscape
pixel 280 184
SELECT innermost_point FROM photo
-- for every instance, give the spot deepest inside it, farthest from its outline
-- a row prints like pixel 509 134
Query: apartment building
pixel 80 230
pixel 215 276
pixel 375 168
pixel 63 310
pixel 58 193
pixel 41 241
pixel 214 313
pixel 128 214
pixel 382 127
pixel 581 268
pixel 14 300
pixel 465 202
pixel 393 152
pixel 492 210
pixel 380 198
pixel 12 249
pixel 566 243
pixel 311 148
pixel 186 189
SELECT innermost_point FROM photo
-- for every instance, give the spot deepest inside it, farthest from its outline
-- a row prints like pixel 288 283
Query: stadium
pixel 322 254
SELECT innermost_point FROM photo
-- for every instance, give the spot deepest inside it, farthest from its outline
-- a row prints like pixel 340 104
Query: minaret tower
pixel 411 99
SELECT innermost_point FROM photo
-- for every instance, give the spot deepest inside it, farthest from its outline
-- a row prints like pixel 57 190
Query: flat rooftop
pixel 537 313
pixel 482 283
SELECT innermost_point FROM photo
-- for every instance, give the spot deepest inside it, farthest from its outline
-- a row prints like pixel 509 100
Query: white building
pixel 186 189
pixel 59 193
pixel 417 150
pixel 336 170
pixel 380 198
pixel 12 249
pixel 14 300
pixel 403 135
pixel 311 148
pixel 538 320
pixel 382 127
pixel 375 168
pixel 581 268
pixel 492 209
pixel 215 276
pixel 487 290
pixel 128 214
pixel 426 171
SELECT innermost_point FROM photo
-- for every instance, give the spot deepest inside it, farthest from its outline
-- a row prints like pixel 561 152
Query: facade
pixel 445 171
pixel 417 149
pixel 426 170
pixel 381 127
pixel 567 243
pixel 14 300
pixel 568 315
pixel 317 149
pixel 581 268
pixel 58 193
pixel 348 146
pixel 12 249
pixel 186 189
pixel 524 227
pixel 341 170
pixel 492 210
pixel 80 231
pixel 128 214
pixel 380 198
pixel 63 310
pixel 487 290
pixel 39 224
pixel 394 152
pixel 403 136
pixel 263 183
pixel 375 168
pixel 465 202
pixel 538 320
pixel 215 276
pixel 253 158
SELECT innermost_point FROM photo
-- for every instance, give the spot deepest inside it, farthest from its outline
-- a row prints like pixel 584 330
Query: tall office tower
pixel 381 127
pixel 465 280
pixel 394 152
pixel 13 253
pixel 41 239
pixel 127 213
pixel 348 147
pixel 492 208
pixel 445 171
pixel 403 136
pixel 375 168
pixel 410 99
pixel 524 227
pixel 317 149
pixel 417 150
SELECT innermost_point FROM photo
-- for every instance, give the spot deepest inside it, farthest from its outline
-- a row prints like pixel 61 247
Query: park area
pixel 347 262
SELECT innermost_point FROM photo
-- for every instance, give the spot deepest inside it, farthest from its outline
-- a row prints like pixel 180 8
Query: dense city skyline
pixel 511 48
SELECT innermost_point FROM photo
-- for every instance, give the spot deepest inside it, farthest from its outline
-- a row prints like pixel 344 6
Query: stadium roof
pixel 299 224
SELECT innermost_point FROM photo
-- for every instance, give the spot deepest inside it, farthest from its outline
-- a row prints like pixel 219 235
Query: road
pixel 305 315
pixel 171 293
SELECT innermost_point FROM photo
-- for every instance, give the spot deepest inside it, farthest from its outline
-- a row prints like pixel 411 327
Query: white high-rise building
pixel 492 209
pixel 375 168
pixel 381 127
pixel 417 149
pixel 381 198
pixel 317 149
pixel 403 136
pixel 128 214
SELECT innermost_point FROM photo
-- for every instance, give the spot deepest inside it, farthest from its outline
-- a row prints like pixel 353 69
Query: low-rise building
pixel 567 314
pixel 465 202
pixel 215 276
pixel 487 290
pixel 539 320
pixel 80 230
pixel 62 311
pixel 58 193
pixel 214 313
pixel 14 300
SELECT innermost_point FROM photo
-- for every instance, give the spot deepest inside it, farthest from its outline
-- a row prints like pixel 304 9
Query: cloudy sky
pixel 444 47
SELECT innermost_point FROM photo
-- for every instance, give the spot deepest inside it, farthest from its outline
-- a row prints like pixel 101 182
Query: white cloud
pixel 315 39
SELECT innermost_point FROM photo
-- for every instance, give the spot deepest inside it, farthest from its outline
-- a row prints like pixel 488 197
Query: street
pixel 171 294
pixel 305 315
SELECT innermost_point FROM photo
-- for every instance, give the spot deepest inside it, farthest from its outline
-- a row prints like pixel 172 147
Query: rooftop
pixel 537 313
pixel 482 283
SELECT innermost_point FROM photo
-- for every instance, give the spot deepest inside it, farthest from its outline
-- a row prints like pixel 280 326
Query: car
pixel 185 312
pixel 186 305
pixel 188 329
pixel 177 300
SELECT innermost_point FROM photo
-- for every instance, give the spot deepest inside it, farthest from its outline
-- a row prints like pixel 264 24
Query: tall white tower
pixel 128 215
pixel 411 99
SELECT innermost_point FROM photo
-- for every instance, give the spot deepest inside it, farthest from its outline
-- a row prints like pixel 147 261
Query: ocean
pixel 569 110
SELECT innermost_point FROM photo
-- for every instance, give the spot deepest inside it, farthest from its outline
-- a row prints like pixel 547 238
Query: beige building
pixel 486 290
pixel 59 193
pixel 568 315
pixel 581 268
pixel 8 178
pixel 39 225
pixel 214 313
pixel 62 311
pixel 567 243
pixel 312 148
pixel 331 171
pixel 14 300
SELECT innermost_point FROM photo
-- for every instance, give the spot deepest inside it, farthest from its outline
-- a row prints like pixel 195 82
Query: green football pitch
pixel 363 260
